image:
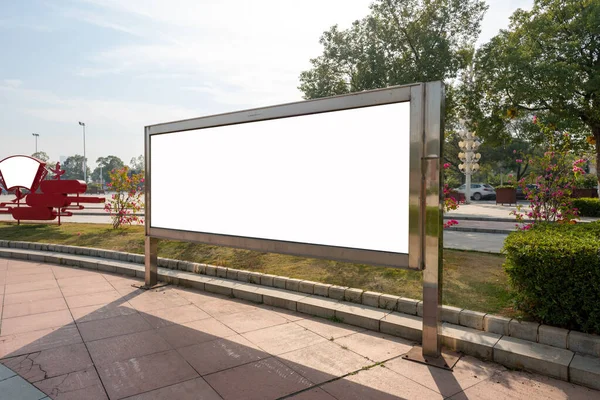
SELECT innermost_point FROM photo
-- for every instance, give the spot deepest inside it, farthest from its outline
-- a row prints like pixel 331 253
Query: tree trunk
pixel 596 133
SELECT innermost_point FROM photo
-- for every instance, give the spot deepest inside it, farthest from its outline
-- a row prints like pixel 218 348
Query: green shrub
pixel 587 181
pixel 554 271
pixel 505 187
pixel 587 206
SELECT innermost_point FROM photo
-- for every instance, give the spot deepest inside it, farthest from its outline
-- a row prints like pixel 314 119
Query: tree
pixel 547 65
pixel 41 155
pixel 105 165
pixel 73 167
pixel 137 164
pixel 399 42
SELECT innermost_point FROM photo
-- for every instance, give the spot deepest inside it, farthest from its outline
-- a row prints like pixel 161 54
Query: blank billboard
pixel 338 178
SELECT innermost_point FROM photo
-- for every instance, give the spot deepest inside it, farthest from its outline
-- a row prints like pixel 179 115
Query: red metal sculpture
pixel 47 199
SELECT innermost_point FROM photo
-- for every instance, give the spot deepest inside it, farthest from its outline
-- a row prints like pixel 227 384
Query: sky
pixel 120 65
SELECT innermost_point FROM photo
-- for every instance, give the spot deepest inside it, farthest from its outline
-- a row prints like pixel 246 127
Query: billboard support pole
pixel 431 214
pixel 151 262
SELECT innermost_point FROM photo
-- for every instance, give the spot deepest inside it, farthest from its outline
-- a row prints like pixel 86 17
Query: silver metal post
pixel 151 261
pixel 433 196
pixel 431 210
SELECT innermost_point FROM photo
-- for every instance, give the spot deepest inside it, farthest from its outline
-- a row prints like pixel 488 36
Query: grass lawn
pixel 472 280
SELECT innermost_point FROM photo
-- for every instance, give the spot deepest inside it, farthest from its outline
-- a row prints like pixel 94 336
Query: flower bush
pixel 127 199
pixel 550 196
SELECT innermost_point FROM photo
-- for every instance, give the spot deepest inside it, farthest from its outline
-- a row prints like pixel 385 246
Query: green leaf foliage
pixel 554 272
pixel 399 42
pixel 587 207
pixel 546 64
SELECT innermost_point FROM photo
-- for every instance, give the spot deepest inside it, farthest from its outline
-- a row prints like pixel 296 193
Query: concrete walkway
pixel 80 334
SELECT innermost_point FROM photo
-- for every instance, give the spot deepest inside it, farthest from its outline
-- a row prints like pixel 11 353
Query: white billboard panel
pixel 337 178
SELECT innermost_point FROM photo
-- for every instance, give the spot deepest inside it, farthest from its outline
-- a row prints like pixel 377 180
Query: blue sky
pixel 119 65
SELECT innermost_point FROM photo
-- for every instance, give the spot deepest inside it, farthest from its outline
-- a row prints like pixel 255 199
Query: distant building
pixel 63 159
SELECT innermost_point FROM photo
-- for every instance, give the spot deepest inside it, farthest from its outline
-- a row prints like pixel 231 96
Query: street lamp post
pixel 84 159
pixel 36 135
pixel 469 159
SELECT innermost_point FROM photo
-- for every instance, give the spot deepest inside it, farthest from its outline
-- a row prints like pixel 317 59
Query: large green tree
pixel 546 64
pixel 105 165
pixel 73 167
pixel 137 164
pixel 41 155
pixel 399 42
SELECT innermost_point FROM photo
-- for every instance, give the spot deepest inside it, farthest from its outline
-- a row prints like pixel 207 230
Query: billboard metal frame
pixel 425 194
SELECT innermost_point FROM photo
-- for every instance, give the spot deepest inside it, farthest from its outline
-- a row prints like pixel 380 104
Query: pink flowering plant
pixel 549 189
pixel 450 202
pixel 127 200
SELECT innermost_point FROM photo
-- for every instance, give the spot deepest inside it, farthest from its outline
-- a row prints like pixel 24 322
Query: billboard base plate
pixel 447 359
pixel 145 287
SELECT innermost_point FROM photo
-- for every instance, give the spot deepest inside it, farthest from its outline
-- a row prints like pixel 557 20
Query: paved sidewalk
pixel 80 334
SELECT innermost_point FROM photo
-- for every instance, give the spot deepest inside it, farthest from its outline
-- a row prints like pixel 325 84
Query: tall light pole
pixel 84 159
pixel 469 158
pixel 36 135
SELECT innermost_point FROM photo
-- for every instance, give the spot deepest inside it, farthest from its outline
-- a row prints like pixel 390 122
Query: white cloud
pixel 12 83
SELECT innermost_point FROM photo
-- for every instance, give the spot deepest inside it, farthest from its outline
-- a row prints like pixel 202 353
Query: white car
pixel 479 191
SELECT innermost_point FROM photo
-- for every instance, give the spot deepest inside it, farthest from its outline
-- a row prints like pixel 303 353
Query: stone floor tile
pixel 34 307
pixel 30 323
pixel 22 264
pixel 127 288
pixel 324 361
pixel 283 338
pixel 38 269
pixel 142 374
pixel 109 327
pixel 526 386
pixel 189 390
pixel 17 388
pixel 50 363
pixel 378 383
pixel 312 394
pixel 74 386
pixel 86 280
pixel 30 342
pixel 205 330
pixel 220 308
pixel 30 286
pixel 282 312
pixel 152 300
pixel 263 380
pixel 468 371
pixel 37 295
pixel 218 355
pixel 121 278
pixel 328 329
pixel 175 315
pixel 375 346
pixel 118 348
pixel 101 311
pixel 250 321
pixel 64 272
pixel 47 275
pixel 91 299
pixel 197 297
pixel 70 291
pixel 6 372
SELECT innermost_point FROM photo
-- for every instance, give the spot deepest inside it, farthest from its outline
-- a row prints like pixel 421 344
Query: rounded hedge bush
pixel 587 206
pixel 554 272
